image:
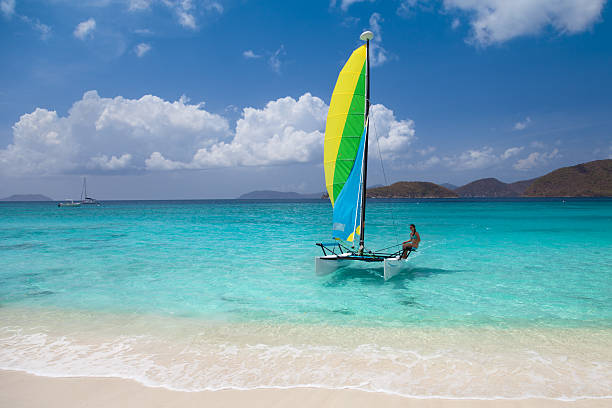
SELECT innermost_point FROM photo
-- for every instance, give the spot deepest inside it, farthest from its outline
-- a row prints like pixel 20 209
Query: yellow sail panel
pixel 346 96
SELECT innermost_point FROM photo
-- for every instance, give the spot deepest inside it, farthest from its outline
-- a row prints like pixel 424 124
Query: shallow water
pixel 486 268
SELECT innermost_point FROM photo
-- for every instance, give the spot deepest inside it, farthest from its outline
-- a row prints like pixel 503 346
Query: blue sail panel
pixel 347 208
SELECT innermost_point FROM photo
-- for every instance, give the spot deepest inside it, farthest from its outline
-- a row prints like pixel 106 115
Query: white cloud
pixel 109 134
pixel 536 159
pixel 537 144
pixel 393 135
pixel 249 54
pixel 426 164
pixel 479 158
pixel 455 24
pixel 378 55
pixel 426 151
pixel 7 7
pixel 85 28
pixel 345 4
pixel 137 5
pixel 43 29
pixel 285 130
pixel 103 162
pixel 522 125
pixel 513 151
pixel 472 159
pixel 157 162
pixel 497 21
pixel 275 59
pixel 141 49
pixel 119 134
pixel 186 19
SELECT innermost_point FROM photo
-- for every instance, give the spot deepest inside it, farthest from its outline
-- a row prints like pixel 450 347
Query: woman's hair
pixel 412 225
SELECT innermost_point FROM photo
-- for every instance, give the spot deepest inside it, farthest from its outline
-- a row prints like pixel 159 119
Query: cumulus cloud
pixel 392 135
pixel 103 162
pixel 186 19
pixel 141 49
pixel 536 159
pixel 136 5
pixel 497 21
pixel 109 134
pixel 85 29
pixel 7 7
pixel 513 151
pixel 522 125
pixel 249 54
pixel 285 130
pixel 472 159
pixel 479 158
pixel 120 134
pixel 426 151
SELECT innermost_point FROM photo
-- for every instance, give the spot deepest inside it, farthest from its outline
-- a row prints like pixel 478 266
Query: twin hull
pixel 324 265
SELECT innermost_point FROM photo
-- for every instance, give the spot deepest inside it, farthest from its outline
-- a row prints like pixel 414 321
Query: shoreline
pixel 190 355
pixel 96 392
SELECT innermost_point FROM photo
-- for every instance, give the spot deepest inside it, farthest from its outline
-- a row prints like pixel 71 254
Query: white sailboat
pixel 346 169
pixel 84 198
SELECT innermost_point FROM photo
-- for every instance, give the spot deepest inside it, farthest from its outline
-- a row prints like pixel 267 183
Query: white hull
pixel 325 265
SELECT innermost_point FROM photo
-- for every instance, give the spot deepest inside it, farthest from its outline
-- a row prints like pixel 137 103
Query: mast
pixel 365 36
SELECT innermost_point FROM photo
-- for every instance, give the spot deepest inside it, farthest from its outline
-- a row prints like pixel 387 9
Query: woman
pixel 412 243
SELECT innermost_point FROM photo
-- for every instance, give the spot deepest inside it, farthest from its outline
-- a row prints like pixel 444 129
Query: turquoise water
pixel 494 263
pixel 504 299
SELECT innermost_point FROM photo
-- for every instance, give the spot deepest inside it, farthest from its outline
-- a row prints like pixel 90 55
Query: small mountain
pixel 411 189
pixel 592 179
pixel 449 186
pixel 276 195
pixel 487 187
pixel 26 197
pixel 521 186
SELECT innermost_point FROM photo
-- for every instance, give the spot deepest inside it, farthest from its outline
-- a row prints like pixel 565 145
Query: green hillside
pixel 592 179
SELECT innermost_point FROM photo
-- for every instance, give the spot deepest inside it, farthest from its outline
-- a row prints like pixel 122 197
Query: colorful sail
pixel 343 146
pixel 347 208
pixel 345 123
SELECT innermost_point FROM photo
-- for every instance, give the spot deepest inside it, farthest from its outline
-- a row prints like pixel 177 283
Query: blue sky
pixel 155 99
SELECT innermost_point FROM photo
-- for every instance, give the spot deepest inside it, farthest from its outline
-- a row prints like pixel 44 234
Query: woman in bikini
pixel 412 243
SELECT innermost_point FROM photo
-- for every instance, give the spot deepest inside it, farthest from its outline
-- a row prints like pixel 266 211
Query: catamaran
pixel 84 198
pixel 345 161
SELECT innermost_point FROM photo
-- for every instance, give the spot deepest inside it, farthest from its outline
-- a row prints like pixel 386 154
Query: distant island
pixel 411 189
pixel 592 179
pixel 492 187
pixel 26 197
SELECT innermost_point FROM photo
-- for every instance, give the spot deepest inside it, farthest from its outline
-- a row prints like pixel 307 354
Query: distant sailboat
pixel 69 203
pixel 84 198
pixel 345 160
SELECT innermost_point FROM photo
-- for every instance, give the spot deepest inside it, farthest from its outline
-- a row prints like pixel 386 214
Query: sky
pixel 198 99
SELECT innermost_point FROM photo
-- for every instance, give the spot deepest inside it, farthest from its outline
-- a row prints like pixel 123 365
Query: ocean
pixel 503 299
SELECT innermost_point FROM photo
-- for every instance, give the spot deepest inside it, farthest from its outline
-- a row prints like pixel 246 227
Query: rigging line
pixel 386 182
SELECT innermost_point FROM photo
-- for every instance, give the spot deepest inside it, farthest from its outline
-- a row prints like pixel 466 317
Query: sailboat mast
pixel 366 36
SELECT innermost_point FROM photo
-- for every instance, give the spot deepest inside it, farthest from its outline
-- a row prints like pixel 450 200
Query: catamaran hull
pixel 325 265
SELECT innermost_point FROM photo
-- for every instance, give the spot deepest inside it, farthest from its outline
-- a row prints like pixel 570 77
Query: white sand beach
pixel 22 390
